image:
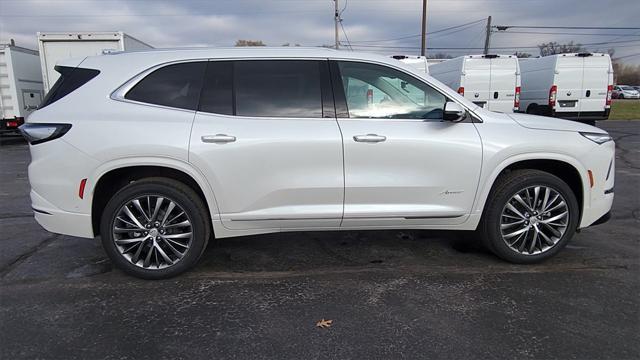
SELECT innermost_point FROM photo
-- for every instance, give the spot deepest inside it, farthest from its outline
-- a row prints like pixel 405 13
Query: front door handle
pixel 218 138
pixel 370 138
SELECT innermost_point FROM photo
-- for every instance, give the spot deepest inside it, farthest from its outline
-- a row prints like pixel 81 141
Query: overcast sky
pixel 310 22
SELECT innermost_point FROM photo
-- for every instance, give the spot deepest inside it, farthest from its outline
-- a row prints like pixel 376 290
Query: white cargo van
pixel 56 46
pixel 418 62
pixel 573 86
pixel 20 86
pixel 491 81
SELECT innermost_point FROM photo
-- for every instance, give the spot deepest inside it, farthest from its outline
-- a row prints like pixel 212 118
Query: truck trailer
pixel 56 46
pixel 21 88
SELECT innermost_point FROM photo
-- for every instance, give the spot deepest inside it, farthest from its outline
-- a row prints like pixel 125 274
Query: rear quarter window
pixel 176 85
pixel 70 80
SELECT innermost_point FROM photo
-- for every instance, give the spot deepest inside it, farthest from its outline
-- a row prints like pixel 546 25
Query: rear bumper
pixel 584 115
pixel 58 221
pixel 603 219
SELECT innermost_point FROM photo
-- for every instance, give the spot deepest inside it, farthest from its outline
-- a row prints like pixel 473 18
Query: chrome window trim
pixel 119 93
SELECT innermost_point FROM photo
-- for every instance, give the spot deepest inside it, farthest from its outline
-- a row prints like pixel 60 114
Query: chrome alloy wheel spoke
pixel 534 220
pixel 152 232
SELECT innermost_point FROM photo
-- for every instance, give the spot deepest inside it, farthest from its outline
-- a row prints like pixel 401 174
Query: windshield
pixel 626 88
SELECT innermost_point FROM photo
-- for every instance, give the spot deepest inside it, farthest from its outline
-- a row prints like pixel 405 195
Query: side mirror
pixel 454 112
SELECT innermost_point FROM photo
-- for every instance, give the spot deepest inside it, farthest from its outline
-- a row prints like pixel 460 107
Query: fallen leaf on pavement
pixel 324 323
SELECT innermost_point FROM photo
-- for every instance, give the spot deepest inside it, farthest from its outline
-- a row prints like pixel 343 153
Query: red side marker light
pixel 83 183
pixel 591 182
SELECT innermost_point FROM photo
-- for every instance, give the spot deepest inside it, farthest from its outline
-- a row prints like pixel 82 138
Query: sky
pixel 383 26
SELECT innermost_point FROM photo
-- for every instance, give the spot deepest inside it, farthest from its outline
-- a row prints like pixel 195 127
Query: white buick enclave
pixel 159 151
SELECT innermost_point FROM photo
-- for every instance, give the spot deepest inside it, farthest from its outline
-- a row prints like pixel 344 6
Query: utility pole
pixel 336 20
pixel 423 48
pixel 487 39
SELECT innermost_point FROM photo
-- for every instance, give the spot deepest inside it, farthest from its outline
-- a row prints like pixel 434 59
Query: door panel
pixel 595 82
pixel 503 84
pixel 409 167
pixel 277 171
pixel 423 173
pixel 569 83
pixel 477 79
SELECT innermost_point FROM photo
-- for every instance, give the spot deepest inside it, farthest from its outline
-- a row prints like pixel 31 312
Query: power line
pixel 418 35
pixel 505 27
pixel 565 33
pixel 495 47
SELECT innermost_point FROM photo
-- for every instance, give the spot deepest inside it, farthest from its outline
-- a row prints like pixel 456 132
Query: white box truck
pixel 21 89
pixel 56 46
pixel 574 86
pixel 418 62
pixel 490 81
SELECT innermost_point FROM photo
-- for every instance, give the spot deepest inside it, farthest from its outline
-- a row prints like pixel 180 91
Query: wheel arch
pixel 113 176
pixel 564 167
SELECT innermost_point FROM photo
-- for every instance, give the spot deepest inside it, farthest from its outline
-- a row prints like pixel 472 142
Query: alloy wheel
pixel 534 220
pixel 152 232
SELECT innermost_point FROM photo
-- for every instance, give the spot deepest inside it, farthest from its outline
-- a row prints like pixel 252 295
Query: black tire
pixel 178 192
pixel 503 190
pixel 620 96
pixel 532 109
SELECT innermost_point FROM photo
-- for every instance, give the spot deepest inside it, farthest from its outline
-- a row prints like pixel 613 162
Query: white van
pixel 418 62
pixel 574 86
pixel 491 81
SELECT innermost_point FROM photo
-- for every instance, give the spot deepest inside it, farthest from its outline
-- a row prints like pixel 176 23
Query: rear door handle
pixel 370 138
pixel 218 138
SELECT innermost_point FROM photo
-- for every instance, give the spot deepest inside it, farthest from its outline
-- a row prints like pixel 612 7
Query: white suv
pixel 159 151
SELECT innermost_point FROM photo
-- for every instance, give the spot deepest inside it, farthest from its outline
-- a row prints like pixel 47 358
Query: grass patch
pixel 625 110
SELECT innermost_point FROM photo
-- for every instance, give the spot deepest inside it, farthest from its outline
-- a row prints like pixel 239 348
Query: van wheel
pixel 532 109
pixel 529 216
pixel 155 228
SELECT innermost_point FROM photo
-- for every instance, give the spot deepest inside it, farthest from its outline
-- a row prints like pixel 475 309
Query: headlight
pixel 597 137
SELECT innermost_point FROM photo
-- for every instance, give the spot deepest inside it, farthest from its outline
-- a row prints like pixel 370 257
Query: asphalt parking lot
pixel 390 294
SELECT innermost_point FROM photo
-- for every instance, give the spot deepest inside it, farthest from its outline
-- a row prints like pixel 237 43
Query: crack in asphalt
pixel 25 256
pixel 15 216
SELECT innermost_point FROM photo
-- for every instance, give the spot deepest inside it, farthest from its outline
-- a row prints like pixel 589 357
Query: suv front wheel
pixel 155 228
pixel 530 216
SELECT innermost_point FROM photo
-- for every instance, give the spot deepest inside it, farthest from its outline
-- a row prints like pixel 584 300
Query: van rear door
pixel 594 84
pixel 568 79
pixel 503 83
pixel 476 76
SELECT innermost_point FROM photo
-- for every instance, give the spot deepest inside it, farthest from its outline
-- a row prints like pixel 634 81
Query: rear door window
pixel 278 88
pixel 217 91
pixel 176 85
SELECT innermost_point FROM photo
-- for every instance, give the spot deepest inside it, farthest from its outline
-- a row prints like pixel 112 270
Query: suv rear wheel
pixel 155 228
pixel 529 217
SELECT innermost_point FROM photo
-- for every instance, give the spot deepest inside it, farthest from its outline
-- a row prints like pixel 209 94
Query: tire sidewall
pixel 494 215
pixel 193 211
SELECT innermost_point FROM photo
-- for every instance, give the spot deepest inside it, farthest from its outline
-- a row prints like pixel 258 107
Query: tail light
pixel 516 99
pixel 609 94
pixel 461 90
pixel 39 133
pixel 553 92
pixel 14 123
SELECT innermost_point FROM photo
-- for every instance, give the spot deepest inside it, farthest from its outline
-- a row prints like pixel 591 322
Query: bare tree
pixel 552 48
pixel 522 55
pixel 250 43
pixel 439 56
